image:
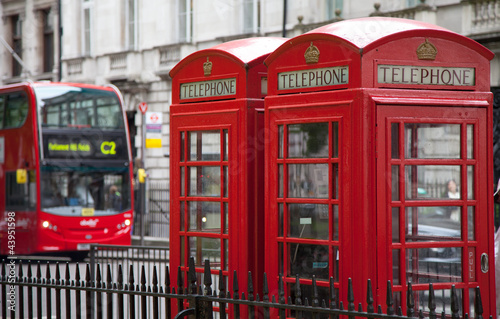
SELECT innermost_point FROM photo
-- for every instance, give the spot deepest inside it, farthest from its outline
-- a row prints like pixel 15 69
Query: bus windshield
pixel 75 107
pixel 84 192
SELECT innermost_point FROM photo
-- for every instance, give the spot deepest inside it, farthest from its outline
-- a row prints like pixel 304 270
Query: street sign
pixel 143 107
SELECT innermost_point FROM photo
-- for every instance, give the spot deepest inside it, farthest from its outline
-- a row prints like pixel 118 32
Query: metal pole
pixel 16 56
pixel 142 186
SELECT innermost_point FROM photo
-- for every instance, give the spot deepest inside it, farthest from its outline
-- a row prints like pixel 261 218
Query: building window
pixel 251 17
pixel 185 20
pixel 17 44
pixel 131 16
pixel 48 40
pixel 332 6
pixel 87 27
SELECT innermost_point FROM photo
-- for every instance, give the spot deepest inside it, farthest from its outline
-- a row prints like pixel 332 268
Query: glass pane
pixel 281 142
pixel 308 140
pixel 182 146
pixel 308 260
pixel 226 253
pixel 432 181
pixel 226 181
pixel 183 215
pixel 335 222
pixel 280 260
pixel 395 225
pixel 423 140
pixel 205 248
pixel 226 217
pixel 308 221
pixel 183 182
pixel 395 267
pixel 470 141
pixel 335 176
pixel 280 219
pixel 204 216
pixel 226 145
pixel 183 256
pixel 204 181
pixel 470 182
pixel 471 223
pixel 395 140
pixel 440 264
pixel 335 138
pixel 432 223
pixel 205 146
pixel 280 181
pixel 308 180
pixel 395 182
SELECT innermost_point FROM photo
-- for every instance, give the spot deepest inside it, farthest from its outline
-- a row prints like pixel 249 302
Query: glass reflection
pixel 439 264
pixel 432 223
pixel 204 216
pixel 308 180
pixel 432 182
pixel 204 181
pixel 201 248
pixel 425 140
pixel 308 221
pixel 308 260
pixel 204 146
pixel 308 140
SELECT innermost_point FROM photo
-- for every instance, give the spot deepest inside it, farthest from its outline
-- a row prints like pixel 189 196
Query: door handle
pixel 485 264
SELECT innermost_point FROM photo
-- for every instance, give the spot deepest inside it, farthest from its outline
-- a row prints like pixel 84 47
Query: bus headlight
pixel 45 224
pixel 127 222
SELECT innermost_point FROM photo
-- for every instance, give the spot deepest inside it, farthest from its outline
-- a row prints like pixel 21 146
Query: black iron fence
pixel 24 292
pixel 156 219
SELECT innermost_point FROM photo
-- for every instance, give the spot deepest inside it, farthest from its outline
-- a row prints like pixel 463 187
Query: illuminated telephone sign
pixel 86 147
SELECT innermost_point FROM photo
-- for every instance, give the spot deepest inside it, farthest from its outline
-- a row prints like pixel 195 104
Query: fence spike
pixel 58 274
pixel 478 304
pixel 360 307
pixel 333 297
pixel 298 292
pixel 420 314
pixel 250 287
pixel 432 302
pixel 281 290
pixel 290 300
pixel 369 297
pixel 47 273
pixel 341 305
pixel 87 277
pixel 98 278
pixel 77 275
pixel 306 302
pixel 180 282
pixel 143 278
pixel 235 286
pixel 243 296
pixel 466 316
pixel 30 275
pixel 454 303
pixel 120 277
pixel 350 295
pixel 131 278
pixel 38 273
pixel 390 300
pixel 207 278
pixel 68 275
pixel 4 271
pixel 273 299
pixel 265 289
pixel 222 285
pixel 109 279
pixel 155 279
pixel 443 315
pixel 257 297
pixel 323 303
pixel 167 279
pixel 410 302
pixel 379 309
pixel 192 277
pixel 20 274
pixel 315 299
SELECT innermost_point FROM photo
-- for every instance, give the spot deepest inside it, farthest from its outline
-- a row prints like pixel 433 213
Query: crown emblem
pixel 426 51
pixel 207 68
pixel 311 54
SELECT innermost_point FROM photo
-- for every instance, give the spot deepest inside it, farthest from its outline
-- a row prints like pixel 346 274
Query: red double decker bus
pixel 65 169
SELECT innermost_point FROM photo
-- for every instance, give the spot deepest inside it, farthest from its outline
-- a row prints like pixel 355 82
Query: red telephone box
pixel 379 162
pixel 216 159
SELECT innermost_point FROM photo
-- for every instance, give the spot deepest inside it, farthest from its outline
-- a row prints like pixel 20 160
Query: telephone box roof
pixel 244 51
pixel 365 34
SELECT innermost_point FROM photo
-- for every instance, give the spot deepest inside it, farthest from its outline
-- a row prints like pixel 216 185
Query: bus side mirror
pixel 141 174
pixel 21 176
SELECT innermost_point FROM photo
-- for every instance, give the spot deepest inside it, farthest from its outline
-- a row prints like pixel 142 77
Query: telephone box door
pixel 432 204
pixel 308 203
